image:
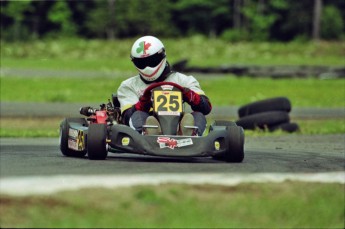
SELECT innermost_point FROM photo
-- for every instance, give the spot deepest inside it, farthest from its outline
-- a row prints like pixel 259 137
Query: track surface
pixel 283 154
pixel 34 109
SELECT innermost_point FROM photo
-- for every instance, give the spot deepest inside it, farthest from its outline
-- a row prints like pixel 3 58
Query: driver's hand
pixel 191 97
pixel 144 103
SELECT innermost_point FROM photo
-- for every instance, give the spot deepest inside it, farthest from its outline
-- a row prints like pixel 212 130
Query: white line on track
pixel 50 184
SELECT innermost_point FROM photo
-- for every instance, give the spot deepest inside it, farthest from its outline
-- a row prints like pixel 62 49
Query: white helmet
pixel 148 56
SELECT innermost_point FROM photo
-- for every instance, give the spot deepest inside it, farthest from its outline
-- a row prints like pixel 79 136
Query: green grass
pixel 328 126
pixel 99 55
pixel 283 205
pixel 112 57
pixel 226 91
pixel 30 127
pixel 223 91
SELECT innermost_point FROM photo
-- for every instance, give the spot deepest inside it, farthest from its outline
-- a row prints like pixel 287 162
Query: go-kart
pixel 102 132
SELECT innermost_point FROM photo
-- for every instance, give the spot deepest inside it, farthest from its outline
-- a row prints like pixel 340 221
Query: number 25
pixel 173 103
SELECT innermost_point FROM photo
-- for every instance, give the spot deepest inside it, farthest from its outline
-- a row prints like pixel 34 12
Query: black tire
pixel 273 104
pixel 235 145
pixel 64 127
pixel 221 123
pixel 263 120
pixel 96 142
pixel 235 152
pixel 287 127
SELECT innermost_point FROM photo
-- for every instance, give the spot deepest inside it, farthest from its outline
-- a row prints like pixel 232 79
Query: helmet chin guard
pixel 151 74
pixel 148 56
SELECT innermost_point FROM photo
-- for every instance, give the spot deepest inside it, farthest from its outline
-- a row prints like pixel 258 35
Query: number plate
pixel 167 102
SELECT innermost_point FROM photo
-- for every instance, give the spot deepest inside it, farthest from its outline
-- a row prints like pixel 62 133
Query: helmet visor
pixel 150 61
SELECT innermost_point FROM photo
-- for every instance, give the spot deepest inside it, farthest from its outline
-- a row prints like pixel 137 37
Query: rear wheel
pixel 96 142
pixel 64 128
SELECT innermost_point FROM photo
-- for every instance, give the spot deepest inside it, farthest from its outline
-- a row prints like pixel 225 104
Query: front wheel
pixel 96 142
pixel 235 145
pixel 235 151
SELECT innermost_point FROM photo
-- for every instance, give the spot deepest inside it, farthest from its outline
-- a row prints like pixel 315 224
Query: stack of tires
pixel 269 114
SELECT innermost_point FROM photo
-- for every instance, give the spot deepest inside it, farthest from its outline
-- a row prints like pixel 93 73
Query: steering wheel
pixel 148 90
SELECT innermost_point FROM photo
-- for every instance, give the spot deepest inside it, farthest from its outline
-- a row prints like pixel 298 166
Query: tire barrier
pixel 287 127
pixel 270 114
pixel 273 104
pixel 276 72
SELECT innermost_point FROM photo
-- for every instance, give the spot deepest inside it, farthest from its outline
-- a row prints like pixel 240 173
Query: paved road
pixel 282 154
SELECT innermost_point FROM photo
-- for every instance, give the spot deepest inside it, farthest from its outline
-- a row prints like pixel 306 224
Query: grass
pixel 223 91
pixel 76 54
pixel 283 205
pixel 112 57
pixel 29 127
pixel 328 126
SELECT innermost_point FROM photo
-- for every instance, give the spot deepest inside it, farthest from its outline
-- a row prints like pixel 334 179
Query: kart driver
pixel 149 58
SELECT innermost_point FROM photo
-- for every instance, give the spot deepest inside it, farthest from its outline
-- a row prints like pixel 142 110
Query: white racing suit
pixel 131 89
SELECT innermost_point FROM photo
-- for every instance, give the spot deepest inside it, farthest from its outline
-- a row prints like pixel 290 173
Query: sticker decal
pixel 167 87
pixel 125 141
pixel 72 144
pixel 73 133
pixel 143 47
pixel 174 113
pixel 76 139
pixel 81 145
pixel 171 143
pixel 216 145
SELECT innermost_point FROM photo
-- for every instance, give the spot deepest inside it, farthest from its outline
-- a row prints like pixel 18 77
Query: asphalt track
pixel 287 154
pixel 279 154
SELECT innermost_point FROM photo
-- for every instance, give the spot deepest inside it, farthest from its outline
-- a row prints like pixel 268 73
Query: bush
pixel 234 35
pixel 332 24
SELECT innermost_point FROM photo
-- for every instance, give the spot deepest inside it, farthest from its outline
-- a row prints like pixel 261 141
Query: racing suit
pixel 131 89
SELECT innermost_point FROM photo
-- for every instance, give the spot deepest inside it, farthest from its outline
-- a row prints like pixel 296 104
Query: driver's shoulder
pixel 134 80
pixel 181 77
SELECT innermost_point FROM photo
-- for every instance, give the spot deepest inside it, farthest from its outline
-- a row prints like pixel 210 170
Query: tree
pixel 16 11
pixel 144 17
pixel 332 24
pixel 317 19
pixel 200 16
pixel 260 16
pixel 237 5
pixel 258 20
pixel 125 18
pixel 61 15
